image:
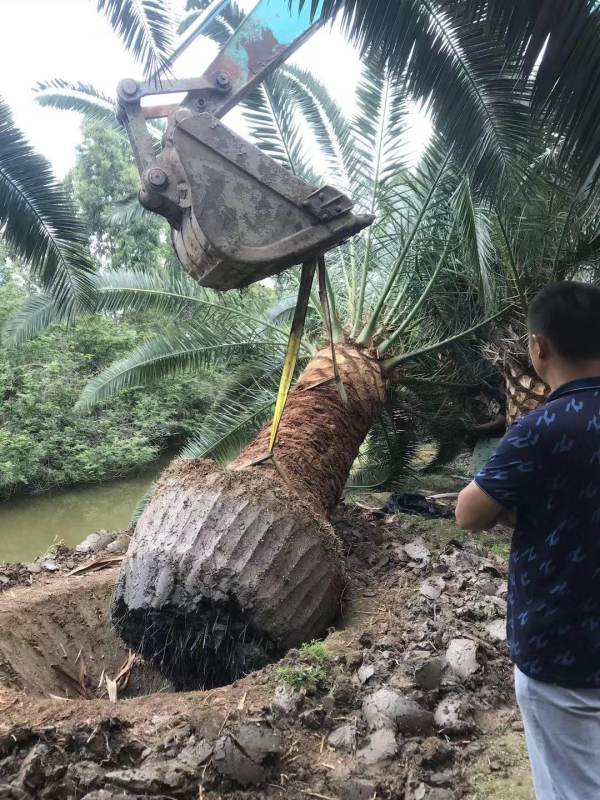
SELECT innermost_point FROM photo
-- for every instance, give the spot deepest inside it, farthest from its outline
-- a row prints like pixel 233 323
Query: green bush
pixel 45 444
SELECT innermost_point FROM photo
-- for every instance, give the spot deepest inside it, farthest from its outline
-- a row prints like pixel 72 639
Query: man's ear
pixel 540 346
pixel 544 347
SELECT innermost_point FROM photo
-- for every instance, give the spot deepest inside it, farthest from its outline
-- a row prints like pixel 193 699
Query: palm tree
pixel 548 233
pixel 39 223
pixel 277 578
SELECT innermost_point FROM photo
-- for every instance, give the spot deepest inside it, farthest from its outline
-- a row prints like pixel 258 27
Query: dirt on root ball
pixel 395 703
pixel 226 570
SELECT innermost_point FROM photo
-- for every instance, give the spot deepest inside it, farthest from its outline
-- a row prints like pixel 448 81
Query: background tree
pixel 105 181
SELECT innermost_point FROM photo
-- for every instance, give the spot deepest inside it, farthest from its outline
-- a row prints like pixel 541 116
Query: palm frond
pixel 36 314
pixel 145 28
pixel 76 96
pixel 559 44
pixel 270 114
pixel 39 222
pixel 221 28
pixel 191 348
pixel 173 294
pixel 244 404
pixel 450 62
pixel 386 453
pixel 474 226
pixel 126 212
pixel 327 122
pixel 379 131
pixel 87 100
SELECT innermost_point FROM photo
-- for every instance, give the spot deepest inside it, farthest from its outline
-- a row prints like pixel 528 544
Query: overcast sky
pixel 43 39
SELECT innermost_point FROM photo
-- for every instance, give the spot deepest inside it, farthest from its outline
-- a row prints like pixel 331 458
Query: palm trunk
pixel 228 568
pixel 524 390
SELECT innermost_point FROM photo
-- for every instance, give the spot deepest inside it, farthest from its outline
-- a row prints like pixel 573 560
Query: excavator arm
pixel 236 215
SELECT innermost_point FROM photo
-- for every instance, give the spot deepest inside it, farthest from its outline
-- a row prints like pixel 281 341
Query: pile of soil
pixel 395 703
pixel 95 553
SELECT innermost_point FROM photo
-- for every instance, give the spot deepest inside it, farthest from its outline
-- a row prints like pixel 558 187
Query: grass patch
pixel 312 679
pixel 442 531
pixel 314 674
pixel 316 650
pixel 436 482
pixel 513 782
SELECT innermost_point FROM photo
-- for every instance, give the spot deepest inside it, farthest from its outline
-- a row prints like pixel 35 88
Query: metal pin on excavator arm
pixel 236 215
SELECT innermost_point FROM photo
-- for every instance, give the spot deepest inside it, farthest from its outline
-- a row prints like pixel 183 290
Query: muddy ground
pixel 410 697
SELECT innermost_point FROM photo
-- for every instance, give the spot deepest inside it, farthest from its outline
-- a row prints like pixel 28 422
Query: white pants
pixel 562 728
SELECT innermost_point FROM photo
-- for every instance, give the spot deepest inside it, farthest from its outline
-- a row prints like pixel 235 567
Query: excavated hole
pixel 51 633
pixel 57 639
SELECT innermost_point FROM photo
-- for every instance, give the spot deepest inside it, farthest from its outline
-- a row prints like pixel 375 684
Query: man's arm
pixel 505 482
pixel 476 510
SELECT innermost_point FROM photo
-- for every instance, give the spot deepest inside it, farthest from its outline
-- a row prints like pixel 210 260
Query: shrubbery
pixel 45 443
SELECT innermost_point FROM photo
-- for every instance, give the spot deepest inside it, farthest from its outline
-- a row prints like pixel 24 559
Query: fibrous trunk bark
pixel 228 568
pixel 524 390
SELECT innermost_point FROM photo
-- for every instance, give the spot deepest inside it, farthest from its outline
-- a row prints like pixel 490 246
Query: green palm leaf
pixel 221 28
pixel 173 294
pixel 76 96
pixel 244 404
pixel 476 234
pixel 191 348
pixel 39 221
pixel 448 60
pixel 327 122
pixel 87 100
pixel 127 212
pixel 36 314
pixel 144 27
pixel 565 86
pixel 387 451
pixel 269 113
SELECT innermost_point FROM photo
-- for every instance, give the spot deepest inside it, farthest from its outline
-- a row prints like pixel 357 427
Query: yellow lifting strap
pixel 295 340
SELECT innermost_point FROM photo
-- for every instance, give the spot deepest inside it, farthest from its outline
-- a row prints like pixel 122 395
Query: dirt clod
pixel 231 762
pixel 95 542
pixel 452 715
pixel 461 657
pixel 343 738
pixel 388 709
pixel 429 674
pixel 379 746
pixel 285 701
pixel 259 742
pixel 436 752
pixel 358 790
pixel 32 772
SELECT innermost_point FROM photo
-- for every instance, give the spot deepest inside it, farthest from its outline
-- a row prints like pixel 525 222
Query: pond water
pixel 29 525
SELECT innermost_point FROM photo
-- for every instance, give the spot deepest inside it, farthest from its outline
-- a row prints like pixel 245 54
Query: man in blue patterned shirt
pixel 545 480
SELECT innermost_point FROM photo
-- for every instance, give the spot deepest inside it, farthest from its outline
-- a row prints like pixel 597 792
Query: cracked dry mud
pixel 409 698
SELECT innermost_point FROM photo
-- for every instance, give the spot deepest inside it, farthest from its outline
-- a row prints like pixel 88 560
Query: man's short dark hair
pixel 568 314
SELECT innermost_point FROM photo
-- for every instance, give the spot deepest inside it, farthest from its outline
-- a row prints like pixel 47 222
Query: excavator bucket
pixel 237 215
